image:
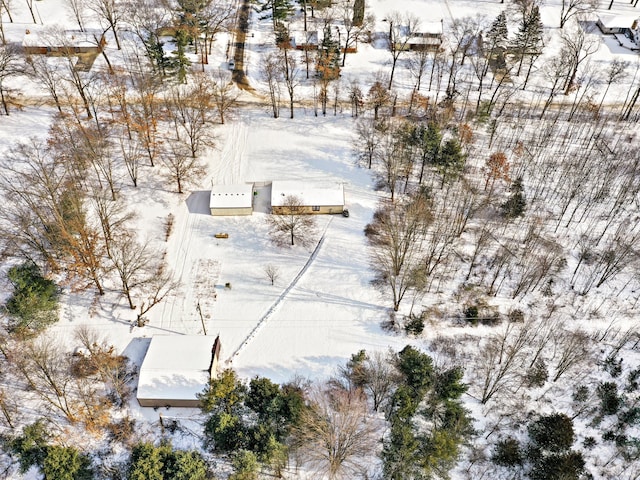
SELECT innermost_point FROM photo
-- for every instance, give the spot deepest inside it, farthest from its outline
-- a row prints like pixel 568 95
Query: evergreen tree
pixel 280 10
pixel 34 302
pixel 180 61
pixel 553 433
pixel 497 38
pixel 450 160
pixel 185 465
pixel 427 142
pixel 427 397
pixel 529 39
pixel 146 463
pixel 65 463
pixel 516 204
pixel 498 33
pixel 31 446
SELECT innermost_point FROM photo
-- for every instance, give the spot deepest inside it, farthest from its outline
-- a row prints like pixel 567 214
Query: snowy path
pixel 282 296
pixel 173 310
pixel 229 168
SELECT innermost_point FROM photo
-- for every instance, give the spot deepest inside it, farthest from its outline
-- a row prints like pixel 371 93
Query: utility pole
pixel 199 310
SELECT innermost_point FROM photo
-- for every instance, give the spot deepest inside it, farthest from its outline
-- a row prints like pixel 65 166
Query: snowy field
pixel 322 307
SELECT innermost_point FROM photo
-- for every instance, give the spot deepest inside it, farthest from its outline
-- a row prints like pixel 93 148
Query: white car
pixel 232 64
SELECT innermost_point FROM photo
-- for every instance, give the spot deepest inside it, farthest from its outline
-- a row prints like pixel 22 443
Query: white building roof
pixel 231 196
pixel 311 194
pixel 617 21
pixel 175 367
pixel 305 38
pixel 57 36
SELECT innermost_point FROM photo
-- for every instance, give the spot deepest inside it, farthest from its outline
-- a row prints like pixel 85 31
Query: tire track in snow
pixel 282 296
pixel 182 258
pixel 229 170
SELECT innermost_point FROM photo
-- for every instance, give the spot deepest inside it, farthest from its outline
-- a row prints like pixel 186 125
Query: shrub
pixel 508 453
pixel 516 316
pixel 553 433
pixel 414 324
pixel 609 400
pixel 589 443
pixel 245 465
pixel 122 430
pixel 581 394
pixel 516 204
pixel 31 446
pixel 559 466
pixel 537 375
pixel 470 313
pixel 65 463
pixel 34 302
pixel 613 366
pixel 632 380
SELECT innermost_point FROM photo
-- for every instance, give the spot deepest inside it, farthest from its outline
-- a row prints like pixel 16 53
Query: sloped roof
pixel 56 36
pixel 176 367
pixel 310 194
pixel 617 21
pixel 231 196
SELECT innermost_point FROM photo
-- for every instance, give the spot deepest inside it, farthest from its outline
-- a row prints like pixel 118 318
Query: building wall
pixel 231 211
pixel 173 402
pixel 327 209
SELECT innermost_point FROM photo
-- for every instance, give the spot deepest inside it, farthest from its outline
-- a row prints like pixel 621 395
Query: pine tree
pixel 529 39
pixel 450 160
pixel 497 38
pixel 516 204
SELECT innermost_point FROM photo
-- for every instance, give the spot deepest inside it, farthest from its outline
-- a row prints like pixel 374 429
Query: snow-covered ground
pixel 322 307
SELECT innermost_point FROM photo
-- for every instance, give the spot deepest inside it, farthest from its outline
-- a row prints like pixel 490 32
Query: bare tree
pixel 77 7
pixel 191 115
pixel 401 27
pixel 45 368
pixel 353 30
pixel 572 349
pixel 576 8
pixel 396 234
pixel 225 94
pixel 159 286
pixel 616 73
pixel 271 74
pixel 293 220
pixel 10 65
pixel 146 114
pixel 110 11
pixel 501 361
pixel 369 133
pixel 336 436
pixel 47 75
pixel 289 72
pixel 181 167
pixel 393 154
pixel 578 45
pixel 272 272
pixel 131 259
pixel 215 17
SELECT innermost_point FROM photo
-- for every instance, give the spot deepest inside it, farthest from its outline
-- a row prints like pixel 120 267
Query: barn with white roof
pixel 236 199
pixel 176 368
pixel 314 197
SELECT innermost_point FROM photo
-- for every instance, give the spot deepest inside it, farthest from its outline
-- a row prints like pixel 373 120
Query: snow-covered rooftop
pixel 231 196
pixel 57 36
pixel 310 194
pixel 617 21
pixel 176 367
